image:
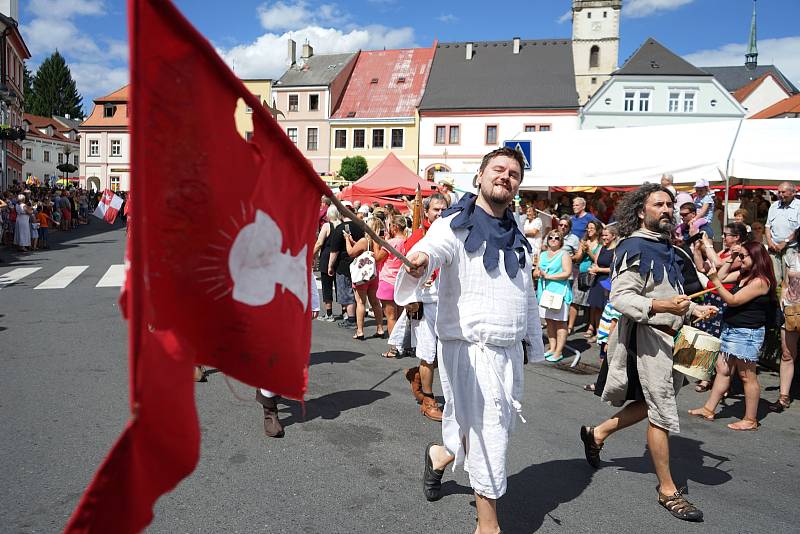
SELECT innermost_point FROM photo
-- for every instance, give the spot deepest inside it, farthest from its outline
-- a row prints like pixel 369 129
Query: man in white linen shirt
pixel 487 309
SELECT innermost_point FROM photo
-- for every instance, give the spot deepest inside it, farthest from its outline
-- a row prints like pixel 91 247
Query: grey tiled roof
pixel 316 70
pixel 540 76
pixel 737 76
pixel 654 59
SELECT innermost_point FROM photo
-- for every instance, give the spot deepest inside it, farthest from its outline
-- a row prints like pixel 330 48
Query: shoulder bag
pixel 550 299
pixel 363 268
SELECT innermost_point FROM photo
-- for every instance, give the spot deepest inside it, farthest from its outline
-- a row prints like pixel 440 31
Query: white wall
pixel 36 166
pixel 105 166
pixel 466 155
pixel 606 109
pixel 767 93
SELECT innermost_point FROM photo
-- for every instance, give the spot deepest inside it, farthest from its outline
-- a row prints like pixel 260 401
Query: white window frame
pixel 402 138
pixel 335 138
pixel 114 183
pixel 629 99
pixel 383 137
pixel 115 143
pixel 296 136
pixel 689 102
pixel 674 102
pixel 289 102
pixel 308 139
pixel 319 100
pixel 644 101
pixel 46 156
pixel 94 147
pixel 364 140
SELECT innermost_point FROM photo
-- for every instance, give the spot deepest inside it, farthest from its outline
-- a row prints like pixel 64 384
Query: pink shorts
pixel 385 291
pixel 367 285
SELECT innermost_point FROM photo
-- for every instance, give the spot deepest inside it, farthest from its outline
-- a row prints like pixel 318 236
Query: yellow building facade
pixel 262 90
pixel 373 140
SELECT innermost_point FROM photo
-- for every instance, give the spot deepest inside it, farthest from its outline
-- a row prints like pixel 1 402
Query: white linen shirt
pixel 475 306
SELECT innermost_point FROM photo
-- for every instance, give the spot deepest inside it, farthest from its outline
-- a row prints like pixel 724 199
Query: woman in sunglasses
pixel 744 320
pixel 553 272
pixel 733 236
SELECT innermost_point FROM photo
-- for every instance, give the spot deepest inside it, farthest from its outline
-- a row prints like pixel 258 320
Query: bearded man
pixel 647 289
pixel 486 309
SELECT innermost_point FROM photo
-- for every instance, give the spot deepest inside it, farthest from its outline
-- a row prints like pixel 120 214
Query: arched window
pixel 594 56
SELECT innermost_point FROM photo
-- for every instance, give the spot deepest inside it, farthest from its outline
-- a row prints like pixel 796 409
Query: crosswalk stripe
pixel 114 277
pixel 15 275
pixel 63 278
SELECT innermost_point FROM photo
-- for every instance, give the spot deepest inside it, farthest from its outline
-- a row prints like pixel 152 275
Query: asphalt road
pixel 353 463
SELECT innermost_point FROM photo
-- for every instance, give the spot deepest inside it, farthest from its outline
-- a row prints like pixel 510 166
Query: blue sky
pixel 251 35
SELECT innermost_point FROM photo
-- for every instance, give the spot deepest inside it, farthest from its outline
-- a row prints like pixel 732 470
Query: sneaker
pixel 347 323
pixel 329 318
pixel 321 317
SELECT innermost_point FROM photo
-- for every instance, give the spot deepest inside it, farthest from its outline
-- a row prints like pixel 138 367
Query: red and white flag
pixel 219 251
pixel 108 207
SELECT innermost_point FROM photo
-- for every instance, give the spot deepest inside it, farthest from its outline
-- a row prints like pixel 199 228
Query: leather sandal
pixel 783 403
pixel 590 447
pixel 703 413
pixel 752 425
pixel 679 506
pixel 432 478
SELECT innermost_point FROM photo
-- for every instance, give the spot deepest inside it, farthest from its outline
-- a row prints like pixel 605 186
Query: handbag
pixel 363 269
pixel 586 281
pixel 552 300
pixel 792 317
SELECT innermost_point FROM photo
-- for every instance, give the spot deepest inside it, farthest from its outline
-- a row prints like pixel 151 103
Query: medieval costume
pixel 486 309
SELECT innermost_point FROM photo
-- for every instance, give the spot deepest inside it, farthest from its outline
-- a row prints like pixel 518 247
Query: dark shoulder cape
pixel 497 233
pixel 656 258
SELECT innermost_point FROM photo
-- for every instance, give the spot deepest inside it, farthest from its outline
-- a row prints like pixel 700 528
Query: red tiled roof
pixel 39 123
pixel 386 83
pixel 120 95
pixel 787 105
pixel 746 90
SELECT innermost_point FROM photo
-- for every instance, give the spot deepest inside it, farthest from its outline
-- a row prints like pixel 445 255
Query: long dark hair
pixel 627 211
pixel 738 229
pixel 762 266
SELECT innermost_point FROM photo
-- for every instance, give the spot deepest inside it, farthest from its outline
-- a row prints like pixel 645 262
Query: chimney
pixel 66 116
pixel 308 51
pixel 469 51
pixel 292 52
pixel 516 45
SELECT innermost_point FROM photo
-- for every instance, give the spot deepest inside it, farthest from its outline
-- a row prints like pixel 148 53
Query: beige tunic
pixel 632 295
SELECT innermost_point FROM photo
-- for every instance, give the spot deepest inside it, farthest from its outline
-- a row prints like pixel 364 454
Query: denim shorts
pixel 742 343
pixel 344 290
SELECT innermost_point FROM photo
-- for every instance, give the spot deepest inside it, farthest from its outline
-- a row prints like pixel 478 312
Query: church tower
pixel 595 43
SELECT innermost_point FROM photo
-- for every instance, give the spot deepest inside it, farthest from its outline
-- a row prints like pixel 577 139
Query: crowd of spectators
pixel 29 213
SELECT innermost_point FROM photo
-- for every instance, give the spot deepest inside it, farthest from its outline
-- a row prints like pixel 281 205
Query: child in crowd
pixel 608 322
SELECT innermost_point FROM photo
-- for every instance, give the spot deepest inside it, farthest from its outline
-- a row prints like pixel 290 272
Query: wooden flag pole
pixel 361 224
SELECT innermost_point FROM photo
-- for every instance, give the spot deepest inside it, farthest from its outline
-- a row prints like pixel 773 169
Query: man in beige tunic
pixel 647 289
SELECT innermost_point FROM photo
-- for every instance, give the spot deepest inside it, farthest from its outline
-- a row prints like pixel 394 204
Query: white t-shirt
pixel 536 242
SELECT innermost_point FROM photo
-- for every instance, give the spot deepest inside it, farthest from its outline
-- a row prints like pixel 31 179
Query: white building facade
pixel 105 153
pixel 47 145
pixel 656 87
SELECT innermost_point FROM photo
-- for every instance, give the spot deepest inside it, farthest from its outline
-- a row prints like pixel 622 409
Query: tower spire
pixel 751 57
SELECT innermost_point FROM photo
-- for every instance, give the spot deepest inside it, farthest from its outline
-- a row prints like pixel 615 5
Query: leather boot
pixel 272 426
pixel 412 375
pixel 430 408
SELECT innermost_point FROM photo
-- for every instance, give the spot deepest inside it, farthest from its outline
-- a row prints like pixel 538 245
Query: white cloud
pixel 292 16
pixel 447 18
pixel 566 17
pixel 266 57
pixel 96 79
pixel 781 52
pixel 644 8
pixel 98 64
pixel 60 9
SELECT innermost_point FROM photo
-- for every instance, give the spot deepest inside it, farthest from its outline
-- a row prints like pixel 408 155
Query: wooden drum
pixel 695 353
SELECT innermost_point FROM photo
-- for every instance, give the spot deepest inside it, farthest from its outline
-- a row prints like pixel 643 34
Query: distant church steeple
pixel 751 57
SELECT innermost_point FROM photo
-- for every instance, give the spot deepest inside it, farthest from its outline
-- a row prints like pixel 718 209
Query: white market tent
pixel 757 149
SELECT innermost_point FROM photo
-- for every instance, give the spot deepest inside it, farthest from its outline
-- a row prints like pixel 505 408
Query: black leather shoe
pixel 432 479
pixel 590 446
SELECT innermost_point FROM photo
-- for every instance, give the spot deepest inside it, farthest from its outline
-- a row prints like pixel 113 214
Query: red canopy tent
pixel 386 183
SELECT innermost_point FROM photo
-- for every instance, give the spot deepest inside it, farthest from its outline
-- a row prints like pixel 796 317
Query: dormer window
pixel 351 114
pixel 108 110
pixel 401 79
pixel 374 80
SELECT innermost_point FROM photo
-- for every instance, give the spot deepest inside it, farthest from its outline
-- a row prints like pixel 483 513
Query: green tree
pixel 353 168
pixel 54 90
pixel 27 87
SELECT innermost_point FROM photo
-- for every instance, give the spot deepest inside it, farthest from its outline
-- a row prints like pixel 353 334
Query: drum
pixel 695 353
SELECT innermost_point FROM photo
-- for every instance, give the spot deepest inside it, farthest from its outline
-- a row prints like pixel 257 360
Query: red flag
pixel 220 252
pixel 108 207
